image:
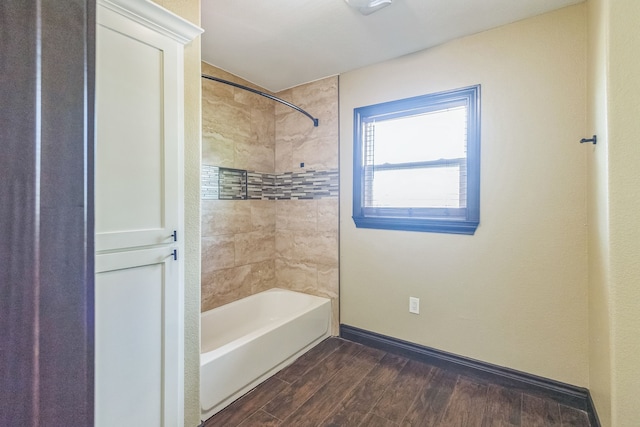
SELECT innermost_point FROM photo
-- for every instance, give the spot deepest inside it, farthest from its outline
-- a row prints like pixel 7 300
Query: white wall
pixel 515 293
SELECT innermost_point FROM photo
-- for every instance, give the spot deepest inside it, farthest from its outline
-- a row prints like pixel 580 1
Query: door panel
pixel 129 110
pixel 137 149
pixel 136 338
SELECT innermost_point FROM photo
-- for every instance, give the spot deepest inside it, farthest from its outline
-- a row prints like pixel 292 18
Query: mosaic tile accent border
pixel 232 184
pixel 261 185
pixel 218 184
pixel 306 185
pixel 209 182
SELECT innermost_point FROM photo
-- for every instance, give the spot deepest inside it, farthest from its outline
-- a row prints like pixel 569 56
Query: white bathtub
pixel 245 342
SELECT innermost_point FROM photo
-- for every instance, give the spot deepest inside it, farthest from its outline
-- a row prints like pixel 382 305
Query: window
pixel 417 163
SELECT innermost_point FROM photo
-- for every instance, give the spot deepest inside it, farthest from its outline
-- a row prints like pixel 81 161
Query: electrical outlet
pixel 414 305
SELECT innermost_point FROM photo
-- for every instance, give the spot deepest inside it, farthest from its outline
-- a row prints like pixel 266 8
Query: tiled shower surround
pixel 284 231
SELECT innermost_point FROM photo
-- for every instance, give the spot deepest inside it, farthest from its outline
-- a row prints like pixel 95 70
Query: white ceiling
pixel 278 44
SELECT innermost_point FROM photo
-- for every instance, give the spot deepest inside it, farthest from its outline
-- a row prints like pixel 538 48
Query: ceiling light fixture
pixel 367 7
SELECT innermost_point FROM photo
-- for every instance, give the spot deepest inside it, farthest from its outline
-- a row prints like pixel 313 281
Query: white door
pixel 137 131
pixel 138 220
pixel 137 339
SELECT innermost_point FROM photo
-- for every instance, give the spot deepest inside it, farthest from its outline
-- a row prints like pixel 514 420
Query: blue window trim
pixel 468 221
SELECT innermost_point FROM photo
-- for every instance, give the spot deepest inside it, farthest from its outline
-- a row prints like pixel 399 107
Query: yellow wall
pixel 614 200
pixel 598 212
pixel 515 293
pixel 190 10
pixel 624 202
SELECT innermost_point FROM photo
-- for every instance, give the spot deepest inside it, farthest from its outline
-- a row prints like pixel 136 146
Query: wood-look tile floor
pixel 341 383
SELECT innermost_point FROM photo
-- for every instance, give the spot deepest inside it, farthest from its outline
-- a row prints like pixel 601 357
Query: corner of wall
pixel 193 155
pixel 190 10
pixel 600 369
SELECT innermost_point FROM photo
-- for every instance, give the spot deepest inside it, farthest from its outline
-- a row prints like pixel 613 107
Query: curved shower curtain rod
pixel 266 95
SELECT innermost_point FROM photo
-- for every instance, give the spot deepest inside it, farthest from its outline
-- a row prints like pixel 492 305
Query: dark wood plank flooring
pixel 341 383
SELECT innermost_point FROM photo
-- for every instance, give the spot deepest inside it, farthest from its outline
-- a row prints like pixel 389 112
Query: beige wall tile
pixel 263 215
pixel 227 118
pixel 305 278
pixel 218 252
pixel 324 155
pixel 327 115
pixel 238 132
pixel 253 99
pixel 308 246
pixel 252 156
pixel 315 146
pixel 292 126
pixel 262 158
pixel 318 153
pixel 296 215
pixel 284 156
pixel 299 150
pixel 263 276
pixel 330 121
pixel 214 90
pixel 318 247
pixel 296 276
pixel 328 209
pixel 287 243
pixel 223 286
pixel 239 125
pixel 328 279
pixel 263 124
pixel 255 246
pixel 225 217
pixel 218 150
pixel 328 286
pixel 287 95
pixel 320 92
